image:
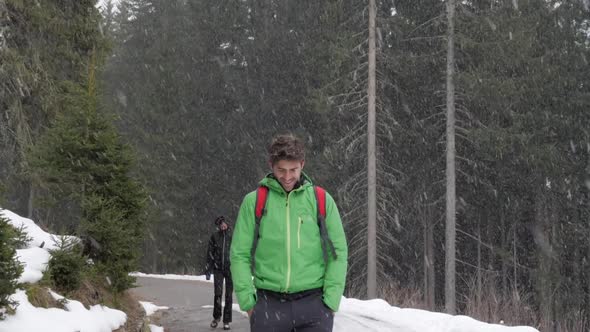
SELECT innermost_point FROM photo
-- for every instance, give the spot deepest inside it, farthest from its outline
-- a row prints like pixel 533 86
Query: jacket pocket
pixel 308 233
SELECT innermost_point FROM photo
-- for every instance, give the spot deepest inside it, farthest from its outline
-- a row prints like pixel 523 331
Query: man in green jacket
pixel 295 285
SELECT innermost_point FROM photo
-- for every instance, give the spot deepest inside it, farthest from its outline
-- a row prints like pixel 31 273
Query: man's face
pixel 288 172
pixel 223 226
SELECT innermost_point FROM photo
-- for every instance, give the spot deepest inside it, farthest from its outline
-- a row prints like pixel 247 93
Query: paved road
pixel 186 300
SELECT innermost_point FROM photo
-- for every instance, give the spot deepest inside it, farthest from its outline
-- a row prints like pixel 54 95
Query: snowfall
pixel 354 315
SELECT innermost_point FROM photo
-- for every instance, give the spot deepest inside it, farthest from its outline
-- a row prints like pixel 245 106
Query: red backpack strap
pixel 261 196
pixel 320 196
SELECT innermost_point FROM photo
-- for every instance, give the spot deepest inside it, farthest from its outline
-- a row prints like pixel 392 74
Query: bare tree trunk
pixel 479 288
pixel 450 269
pixel 429 260
pixel 371 167
pixel 587 279
pixel 554 274
pixel 514 258
pixel 154 262
pixel 4 26
pixel 545 253
pixel 30 200
pixel 585 264
pixel 504 246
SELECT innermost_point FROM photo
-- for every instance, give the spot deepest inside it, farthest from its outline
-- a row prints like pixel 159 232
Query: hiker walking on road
pixel 218 263
pixel 289 252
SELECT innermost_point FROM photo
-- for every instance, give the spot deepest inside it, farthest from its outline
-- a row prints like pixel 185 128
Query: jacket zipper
pixel 288 220
pixel 223 254
pixel 299 233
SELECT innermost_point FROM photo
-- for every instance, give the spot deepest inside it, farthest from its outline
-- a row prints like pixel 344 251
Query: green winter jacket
pixel 289 256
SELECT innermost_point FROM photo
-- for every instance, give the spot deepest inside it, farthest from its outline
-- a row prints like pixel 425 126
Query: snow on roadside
pixel 36 255
pixel 76 318
pixel 28 318
pixel 377 315
pixel 155 328
pixel 171 276
pixel 151 308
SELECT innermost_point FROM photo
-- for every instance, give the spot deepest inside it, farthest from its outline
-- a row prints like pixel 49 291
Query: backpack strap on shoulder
pixel 320 195
pixel 259 209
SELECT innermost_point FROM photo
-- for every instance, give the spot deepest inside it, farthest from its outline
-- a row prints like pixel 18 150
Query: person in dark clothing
pixel 218 264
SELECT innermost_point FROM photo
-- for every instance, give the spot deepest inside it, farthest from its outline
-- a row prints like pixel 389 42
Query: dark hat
pixel 220 220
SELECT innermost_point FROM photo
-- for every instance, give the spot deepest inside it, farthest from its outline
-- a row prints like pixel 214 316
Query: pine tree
pixel 519 104
pixel 81 157
pixel 44 44
pixel 10 268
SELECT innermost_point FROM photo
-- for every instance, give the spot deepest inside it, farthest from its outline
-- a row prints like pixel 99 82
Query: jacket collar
pixel 272 183
pixel 228 230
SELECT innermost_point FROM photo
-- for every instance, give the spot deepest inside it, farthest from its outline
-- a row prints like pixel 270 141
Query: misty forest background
pixel 142 122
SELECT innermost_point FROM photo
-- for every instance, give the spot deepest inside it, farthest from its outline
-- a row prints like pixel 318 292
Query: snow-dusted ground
pixel 354 315
pixel 171 276
pixel 377 315
pixel 32 319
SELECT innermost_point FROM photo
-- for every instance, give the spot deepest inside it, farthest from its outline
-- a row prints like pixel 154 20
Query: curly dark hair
pixel 219 220
pixel 286 147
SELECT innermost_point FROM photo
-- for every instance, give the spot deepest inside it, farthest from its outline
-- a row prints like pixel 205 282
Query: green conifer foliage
pixel 82 158
pixel 10 268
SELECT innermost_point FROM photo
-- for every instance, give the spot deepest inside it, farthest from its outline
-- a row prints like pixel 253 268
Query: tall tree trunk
pixel 450 171
pixel 586 271
pixel 30 201
pixel 585 263
pixel 504 245
pixel 429 259
pixel 479 268
pixel 154 261
pixel 371 167
pixel 514 263
pixel 4 24
pixel 544 254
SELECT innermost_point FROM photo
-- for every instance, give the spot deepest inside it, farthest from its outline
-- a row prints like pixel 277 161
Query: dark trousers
pixel 218 278
pixel 299 312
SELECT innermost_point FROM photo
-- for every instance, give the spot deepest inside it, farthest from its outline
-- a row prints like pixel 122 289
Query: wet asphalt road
pixel 190 303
